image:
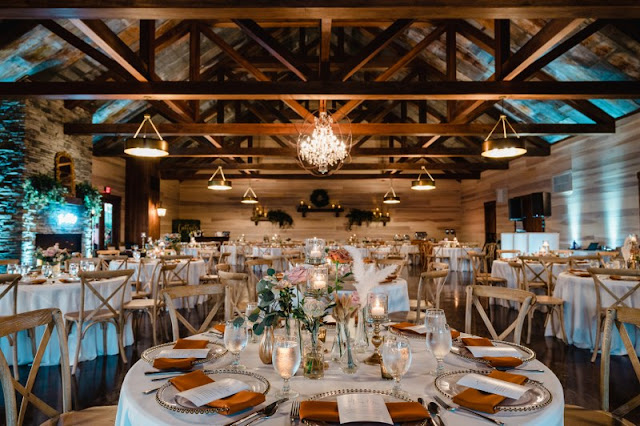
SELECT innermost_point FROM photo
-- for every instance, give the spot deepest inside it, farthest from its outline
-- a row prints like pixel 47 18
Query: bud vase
pixel 314 361
pixel 338 342
pixel 361 341
pixel 266 345
pixel 348 361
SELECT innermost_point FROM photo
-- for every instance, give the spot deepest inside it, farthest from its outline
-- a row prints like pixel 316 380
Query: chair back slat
pixel 106 260
pixel 511 252
pixel 429 288
pixel 591 260
pixel 603 288
pixel 11 281
pixel 236 284
pixel 51 318
pixel 525 298
pixel 180 274
pixel 400 264
pixel 253 277
pixel 91 281
pixel 170 294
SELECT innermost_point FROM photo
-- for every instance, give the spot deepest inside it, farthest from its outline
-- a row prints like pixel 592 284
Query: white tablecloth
pixel 501 269
pixel 579 295
pixel 273 253
pixel 134 408
pixel 397 291
pixel 236 254
pixel 458 258
pixel 408 251
pixel 66 297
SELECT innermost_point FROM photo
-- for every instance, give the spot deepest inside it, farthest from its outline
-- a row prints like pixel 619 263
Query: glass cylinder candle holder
pixel 377 307
pixel 314 250
pixel 318 280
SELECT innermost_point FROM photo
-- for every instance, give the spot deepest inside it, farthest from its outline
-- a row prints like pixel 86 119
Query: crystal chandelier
pixel 323 147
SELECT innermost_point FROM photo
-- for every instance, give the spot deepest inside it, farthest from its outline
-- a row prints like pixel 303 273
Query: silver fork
pixel 466 410
pixel 294 417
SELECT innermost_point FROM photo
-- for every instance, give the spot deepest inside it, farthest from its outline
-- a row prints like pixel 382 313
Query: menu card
pixel 494 351
pixel 362 407
pixel 495 386
pixel 203 395
pixel 184 353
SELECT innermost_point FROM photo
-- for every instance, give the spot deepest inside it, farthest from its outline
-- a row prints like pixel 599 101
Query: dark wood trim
pixel 338 175
pixel 414 167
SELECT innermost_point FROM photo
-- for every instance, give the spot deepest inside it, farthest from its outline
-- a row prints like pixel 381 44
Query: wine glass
pixel 73 270
pixel 250 308
pixel 438 337
pixel 235 340
pixel 47 270
pixel 286 359
pixel 396 357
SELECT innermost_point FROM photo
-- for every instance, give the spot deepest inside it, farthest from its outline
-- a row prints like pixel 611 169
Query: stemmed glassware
pixel 438 337
pixel 236 337
pixel 396 357
pixel 286 359
pixel 250 308
pixel 73 270
pixel 47 270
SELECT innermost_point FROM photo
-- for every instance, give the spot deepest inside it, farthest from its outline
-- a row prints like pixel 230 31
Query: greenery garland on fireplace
pixel 91 198
pixel 280 218
pixel 41 190
pixel 358 217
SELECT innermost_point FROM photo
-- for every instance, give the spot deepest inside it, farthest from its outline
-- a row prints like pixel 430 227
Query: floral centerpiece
pixel 310 313
pixel 52 255
pixel 173 241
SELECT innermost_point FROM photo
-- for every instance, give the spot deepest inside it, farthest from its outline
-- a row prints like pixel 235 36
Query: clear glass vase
pixel 265 350
pixel 348 360
pixel 338 342
pixel 314 361
pixel 361 341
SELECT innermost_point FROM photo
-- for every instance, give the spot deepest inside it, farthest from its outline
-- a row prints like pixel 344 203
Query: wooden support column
pixel 142 194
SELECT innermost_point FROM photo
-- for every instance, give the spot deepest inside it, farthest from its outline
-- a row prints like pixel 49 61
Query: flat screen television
pixel 515 209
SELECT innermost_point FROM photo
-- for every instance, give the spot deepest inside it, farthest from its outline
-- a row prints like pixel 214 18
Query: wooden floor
pixel 98 382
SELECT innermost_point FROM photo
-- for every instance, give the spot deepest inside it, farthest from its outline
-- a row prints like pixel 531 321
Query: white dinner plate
pixel 216 350
pixel 460 350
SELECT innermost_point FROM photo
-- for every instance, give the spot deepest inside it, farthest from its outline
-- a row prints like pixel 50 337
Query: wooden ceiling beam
pixel 292 129
pixel 232 90
pixel 294 9
pixel 325 49
pixel 335 176
pixel 415 167
pixel 271 45
pixel 374 47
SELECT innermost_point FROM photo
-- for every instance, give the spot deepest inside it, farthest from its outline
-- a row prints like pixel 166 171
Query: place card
pixel 362 407
pixel 491 385
pixel 420 329
pixel 184 353
pixel 494 351
pixel 205 394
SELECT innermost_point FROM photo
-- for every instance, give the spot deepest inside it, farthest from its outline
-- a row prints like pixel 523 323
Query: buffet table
pixel 579 295
pixel 135 408
pixel 66 297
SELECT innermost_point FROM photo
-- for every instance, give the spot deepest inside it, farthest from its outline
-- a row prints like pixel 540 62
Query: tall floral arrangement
pixel 52 255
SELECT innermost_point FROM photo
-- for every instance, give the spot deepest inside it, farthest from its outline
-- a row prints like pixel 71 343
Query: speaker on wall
pixel 541 204
pixel 515 208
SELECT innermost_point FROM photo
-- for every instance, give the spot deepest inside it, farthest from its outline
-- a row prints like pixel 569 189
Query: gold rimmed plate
pixel 460 350
pixel 216 350
pixel 389 396
pixel 536 397
pixel 166 395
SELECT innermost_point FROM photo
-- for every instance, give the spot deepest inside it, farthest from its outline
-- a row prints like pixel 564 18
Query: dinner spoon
pixel 433 408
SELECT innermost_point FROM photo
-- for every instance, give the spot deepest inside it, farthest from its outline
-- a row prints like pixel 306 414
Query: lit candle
pixel 315 252
pixel 319 284
pixel 377 310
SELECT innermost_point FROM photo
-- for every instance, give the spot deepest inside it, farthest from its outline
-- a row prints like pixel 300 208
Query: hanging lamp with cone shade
pixel 504 147
pixel 146 147
pixel 249 197
pixel 390 197
pixel 423 184
pixel 219 184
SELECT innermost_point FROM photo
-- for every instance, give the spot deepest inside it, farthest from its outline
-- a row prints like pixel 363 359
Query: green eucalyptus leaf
pixel 238 321
pixel 253 317
pixel 271 272
pixel 258 328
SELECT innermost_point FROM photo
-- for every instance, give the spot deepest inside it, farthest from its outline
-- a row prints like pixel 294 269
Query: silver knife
pixel 257 413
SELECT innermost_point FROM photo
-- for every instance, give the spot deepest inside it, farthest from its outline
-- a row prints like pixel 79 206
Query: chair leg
pixel 530 319
pixel 32 336
pixel 152 317
pixel 561 318
pixel 596 345
pixel 78 347
pixel 16 373
pixel 120 334
pixel 103 326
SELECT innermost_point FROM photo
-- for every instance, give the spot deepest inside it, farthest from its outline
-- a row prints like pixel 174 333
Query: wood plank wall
pixel 431 212
pixel 603 205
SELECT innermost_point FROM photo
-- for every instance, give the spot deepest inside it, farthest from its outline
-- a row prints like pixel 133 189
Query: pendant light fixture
pixel 219 184
pixel 504 147
pixel 162 212
pixel 423 184
pixel 390 197
pixel 249 197
pixel 145 147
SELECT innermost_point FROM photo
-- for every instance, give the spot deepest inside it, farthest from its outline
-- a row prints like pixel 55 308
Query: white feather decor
pixel 366 276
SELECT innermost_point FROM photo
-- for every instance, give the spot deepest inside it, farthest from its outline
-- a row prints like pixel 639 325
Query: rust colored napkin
pixel 180 363
pixel 38 281
pixel 327 411
pixel 402 325
pixel 219 328
pixel 229 405
pixel 483 401
pixel 494 361
pixel 626 278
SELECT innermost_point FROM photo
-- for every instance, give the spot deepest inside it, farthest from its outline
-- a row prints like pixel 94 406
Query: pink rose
pixel 297 275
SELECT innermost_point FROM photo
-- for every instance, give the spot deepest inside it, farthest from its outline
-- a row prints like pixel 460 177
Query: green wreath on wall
pixel 319 198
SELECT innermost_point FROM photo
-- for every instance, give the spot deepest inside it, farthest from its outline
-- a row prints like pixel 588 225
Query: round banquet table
pixel 580 312
pixel 458 258
pixel 134 408
pixel 66 297
pixel 501 269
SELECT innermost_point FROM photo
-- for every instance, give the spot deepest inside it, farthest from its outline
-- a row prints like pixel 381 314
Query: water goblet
pixel 286 359
pixel 438 339
pixel 136 255
pixel 396 357
pixel 73 270
pixel 248 311
pixel 235 340
pixel 47 270
pixel 12 268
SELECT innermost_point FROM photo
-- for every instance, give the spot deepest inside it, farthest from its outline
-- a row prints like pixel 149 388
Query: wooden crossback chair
pixel 291 257
pixel 619 316
pixel 153 305
pixel 536 274
pixel 439 255
pixel 108 252
pixel 109 310
pixel 106 259
pixel 525 298
pixel 606 298
pixel 251 266
pixel 400 264
pixel 180 274
pixel 50 318
pixel 554 305
pixel 236 284
pixel 11 290
pixel 550 263
pixel 209 290
pixel 511 253
pixel 5 262
pixel 480 269
pixel 426 254
pixel 490 251
pixel 591 260
pixel 429 288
